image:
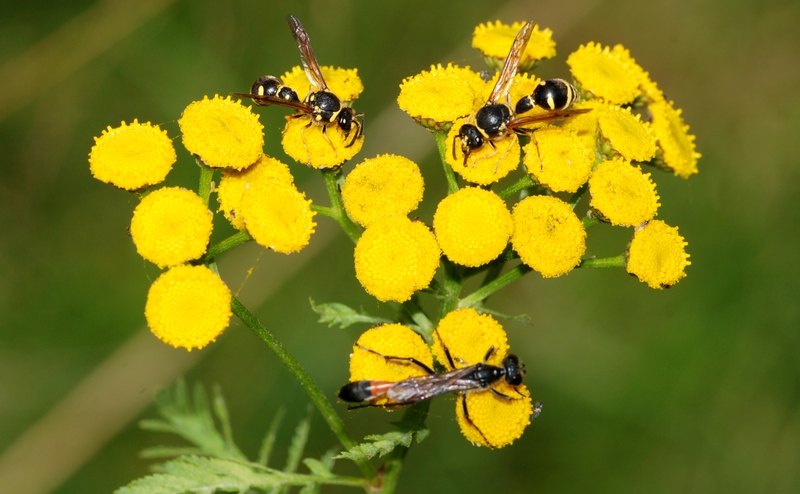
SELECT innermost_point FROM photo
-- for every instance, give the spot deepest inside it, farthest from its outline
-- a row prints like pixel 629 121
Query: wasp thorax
pixel 326 105
pixel 493 119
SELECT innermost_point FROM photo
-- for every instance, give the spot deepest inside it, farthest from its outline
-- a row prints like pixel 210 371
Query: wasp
pixel 321 104
pixel 496 119
pixel 552 94
pixel 468 379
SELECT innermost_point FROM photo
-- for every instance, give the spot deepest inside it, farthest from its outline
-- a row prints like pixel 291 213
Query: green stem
pixel 206 174
pixel 323 405
pixel 324 211
pixel 337 207
pixel 419 317
pixel 441 144
pixel 234 240
pixel 451 286
pixel 576 197
pixel 415 418
pixel 521 184
pixel 607 262
pixel 504 279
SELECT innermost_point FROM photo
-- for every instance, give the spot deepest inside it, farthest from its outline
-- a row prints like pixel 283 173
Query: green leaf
pixel 322 468
pixel 522 318
pixel 383 444
pixel 269 440
pixel 190 417
pixel 168 452
pixel 344 316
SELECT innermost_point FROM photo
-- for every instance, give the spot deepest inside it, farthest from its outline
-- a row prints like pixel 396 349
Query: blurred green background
pixel 692 389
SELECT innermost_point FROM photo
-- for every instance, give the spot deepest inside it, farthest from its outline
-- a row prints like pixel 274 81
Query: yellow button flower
pixel 547 235
pixel 306 142
pixel 677 145
pixel 395 257
pixel 585 124
pixel 438 97
pixel 132 156
pixel 394 340
pixel 472 226
pixel 608 74
pixel 559 159
pixel 622 193
pixel 657 255
pixel 626 133
pixel 495 40
pixel 188 307
pixel 486 164
pixel 277 215
pixel 233 184
pixel 386 185
pixel 222 132
pixel 171 226
pixel 344 83
pixel 493 421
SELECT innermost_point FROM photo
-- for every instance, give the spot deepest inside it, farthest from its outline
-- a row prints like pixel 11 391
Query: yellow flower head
pixel 493 421
pixel 626 133
pixel 393 340
pixel 559 159
pixel 657 255
pixel 234 182
pixel 308 144
pixel 222 132
pixel 608 74
pixel 386 185
pixel 438 97
pixel 344 83
pixel 395 257
pixel 188 306
pixel 547 235
pixel 472 226
pixel 585 124
pixel 495 40
pixel 171 226
pixel 132 156
pixel 277 215
pixel 485 165
pixel 677 145
pixel 650 91
pixel 622 193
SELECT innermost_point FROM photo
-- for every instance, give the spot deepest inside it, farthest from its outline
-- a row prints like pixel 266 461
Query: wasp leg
pixel 447 352
pixel 508 150
pixel 469 420
pixel 359 121
pixel 325 135
pixel 386 406
pixel 487 156
pixel 408 360
pixel 538 152
pixel 503 396
pixel 488 354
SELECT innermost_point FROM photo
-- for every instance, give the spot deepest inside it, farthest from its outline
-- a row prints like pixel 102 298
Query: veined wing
pixel 416 389
pixel 263 100
pixel 506 76
pixel 548 116
pixel 310 64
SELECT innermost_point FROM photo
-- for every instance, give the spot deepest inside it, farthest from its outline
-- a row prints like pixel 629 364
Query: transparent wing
pixel 510 66
pixel 548 116
pixel 310 64
pixel 415 389
pixel 262 100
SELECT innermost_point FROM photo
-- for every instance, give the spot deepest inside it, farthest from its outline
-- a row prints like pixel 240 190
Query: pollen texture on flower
pixel 308 144
pixel 657 255
pixel 677 145
pixel 171 226
pixel 278 216
pixel 559 159
pixel 472 226
pixel 132 156
pixel 494 421
pixel 222 132
pixel 484 165
pixel 344 83
pixel 394 340
pixel 441 95
pixel 395 257
pixel 606 73
pixel 386 185
pixel 494 40
pixel 548 236
pixel 188 307
pixel 628 135
pixel 468 336
pixel 234 182
pixel 622 193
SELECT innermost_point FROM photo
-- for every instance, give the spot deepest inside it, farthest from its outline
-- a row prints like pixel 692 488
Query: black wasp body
pixel 321 104
pixel 496 119
pixel 552 94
